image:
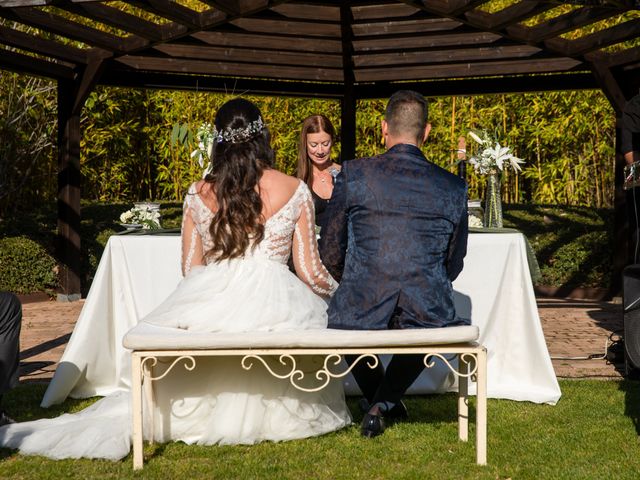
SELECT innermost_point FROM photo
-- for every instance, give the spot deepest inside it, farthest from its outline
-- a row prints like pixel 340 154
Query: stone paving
pixel 574 330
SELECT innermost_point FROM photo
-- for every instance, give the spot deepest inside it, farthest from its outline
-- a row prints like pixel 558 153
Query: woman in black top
pixel 315 166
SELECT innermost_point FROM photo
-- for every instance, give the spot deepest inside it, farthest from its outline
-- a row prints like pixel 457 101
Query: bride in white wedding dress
pixel 239 227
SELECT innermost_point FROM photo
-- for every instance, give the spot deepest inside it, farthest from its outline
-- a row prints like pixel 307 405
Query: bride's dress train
pixel 219 402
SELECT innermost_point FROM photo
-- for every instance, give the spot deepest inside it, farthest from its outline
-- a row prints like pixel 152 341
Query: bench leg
pixel 463 400
pixel 148 393
pixel 136 410
pixel 481 409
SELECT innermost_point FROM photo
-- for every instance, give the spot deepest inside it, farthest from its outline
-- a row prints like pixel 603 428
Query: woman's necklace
pixel 325 176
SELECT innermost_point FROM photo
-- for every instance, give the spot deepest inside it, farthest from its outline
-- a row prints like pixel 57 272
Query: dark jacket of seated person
pixel 395 238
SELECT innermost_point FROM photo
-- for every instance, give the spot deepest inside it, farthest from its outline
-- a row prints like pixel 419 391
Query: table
pixel 137 272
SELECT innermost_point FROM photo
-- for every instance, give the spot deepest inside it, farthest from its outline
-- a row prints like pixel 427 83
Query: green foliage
pixel 26 267
pixel 572 244
pixel 525 441
pixel 127 152
pixel 27 139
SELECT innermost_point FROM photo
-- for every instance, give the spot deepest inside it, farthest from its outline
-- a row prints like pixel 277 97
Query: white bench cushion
pixel 145 336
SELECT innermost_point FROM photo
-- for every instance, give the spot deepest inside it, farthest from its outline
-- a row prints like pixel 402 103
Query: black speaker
pixel 631 304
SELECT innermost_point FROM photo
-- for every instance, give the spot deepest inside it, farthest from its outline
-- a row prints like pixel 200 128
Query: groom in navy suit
pixel 395 239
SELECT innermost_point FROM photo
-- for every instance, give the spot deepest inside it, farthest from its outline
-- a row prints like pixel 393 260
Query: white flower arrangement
pixel 145 216
pixel 491 156
pixel 475 221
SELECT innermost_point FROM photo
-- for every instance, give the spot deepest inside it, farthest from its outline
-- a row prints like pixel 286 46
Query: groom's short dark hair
pixel 407 113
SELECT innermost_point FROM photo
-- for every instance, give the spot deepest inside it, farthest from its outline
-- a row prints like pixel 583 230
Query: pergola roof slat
pixel 308 12
pixel 291 27
pixel 118 19
pixel 65 28
pixel 425 41
pixel 603 38
pixel 271 57
pixel 217 67
pixel 508 16
pixel 24 41
pixel 272 42
pixel 404 26
pixel 444 56
pixel 375 11
pixel 35 66
pixel 471 69
pixel 559 25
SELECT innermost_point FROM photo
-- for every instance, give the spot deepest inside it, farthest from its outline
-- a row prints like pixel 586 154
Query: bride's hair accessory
pixel 239 135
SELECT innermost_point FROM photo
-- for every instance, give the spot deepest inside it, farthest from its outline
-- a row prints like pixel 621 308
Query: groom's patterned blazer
pixel 395 237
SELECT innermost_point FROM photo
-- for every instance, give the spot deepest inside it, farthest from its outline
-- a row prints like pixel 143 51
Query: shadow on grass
pixel 631 389
pixel 572 244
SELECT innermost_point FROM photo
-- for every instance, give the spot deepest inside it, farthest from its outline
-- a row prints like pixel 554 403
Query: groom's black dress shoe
pixel 5 419
pixel 398 412
pixel 372 425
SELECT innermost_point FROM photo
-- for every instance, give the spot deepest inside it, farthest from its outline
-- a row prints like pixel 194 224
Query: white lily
pixel 476 138
pixel 515 162
pixel 492 156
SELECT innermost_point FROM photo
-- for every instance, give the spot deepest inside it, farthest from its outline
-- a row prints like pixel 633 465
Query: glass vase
pixel 493 202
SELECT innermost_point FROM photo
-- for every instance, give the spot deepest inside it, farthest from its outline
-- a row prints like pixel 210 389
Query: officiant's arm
pixel 192 251
pixel 333 236
pixel 458 244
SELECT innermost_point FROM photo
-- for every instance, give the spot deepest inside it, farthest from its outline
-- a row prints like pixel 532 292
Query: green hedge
pixel 26 266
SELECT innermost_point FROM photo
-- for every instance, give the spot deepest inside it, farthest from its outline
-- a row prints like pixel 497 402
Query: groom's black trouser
pixel 10 321
pixel 378 385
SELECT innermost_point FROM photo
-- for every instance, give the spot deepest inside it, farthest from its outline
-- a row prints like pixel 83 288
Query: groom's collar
pixel 406 148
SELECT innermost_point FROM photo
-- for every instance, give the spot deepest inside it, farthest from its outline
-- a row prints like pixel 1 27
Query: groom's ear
pixel 385 128
pixel 427 129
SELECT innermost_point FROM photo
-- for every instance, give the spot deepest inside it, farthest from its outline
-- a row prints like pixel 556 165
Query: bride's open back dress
pixel 218 402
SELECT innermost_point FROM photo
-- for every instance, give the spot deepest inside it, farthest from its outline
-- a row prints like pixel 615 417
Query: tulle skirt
pixel 219 402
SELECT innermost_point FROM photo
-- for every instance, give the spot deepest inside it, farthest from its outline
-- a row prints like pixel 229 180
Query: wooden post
pixel 68 245
pixel 348 103
pixel 348 126
pixel 71 97
pixel 622 255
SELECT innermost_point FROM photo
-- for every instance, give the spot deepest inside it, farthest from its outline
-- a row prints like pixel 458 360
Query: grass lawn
pixel 591 433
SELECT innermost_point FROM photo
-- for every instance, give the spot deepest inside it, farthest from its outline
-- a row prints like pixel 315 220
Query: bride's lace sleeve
pixel 305 251
pixel 192 250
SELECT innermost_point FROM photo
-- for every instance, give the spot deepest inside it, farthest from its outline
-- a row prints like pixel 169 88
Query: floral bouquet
pixel 491 159
pixel 491 156
pixel 206 138
pixel 144 216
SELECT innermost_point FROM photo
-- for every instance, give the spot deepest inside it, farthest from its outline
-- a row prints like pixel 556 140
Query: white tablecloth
pixel 137 272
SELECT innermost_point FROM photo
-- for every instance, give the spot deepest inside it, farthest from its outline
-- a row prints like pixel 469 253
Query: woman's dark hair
pixel 240 155
pixel 311 124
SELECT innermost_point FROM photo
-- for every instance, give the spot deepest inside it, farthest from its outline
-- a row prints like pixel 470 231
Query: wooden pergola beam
pixel 118 19
pixel 66 28
pixel 603 38
pixel 428 57
pixel 269 57
pixel 208 67
pixel 434 88
pixel 561 24
pixel 41 46
pixel 476 69
pixel 348 102
pixel 21 63
pixel 281 43
pixel 508 16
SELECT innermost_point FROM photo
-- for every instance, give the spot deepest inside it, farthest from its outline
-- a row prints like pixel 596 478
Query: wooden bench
pixel 150 343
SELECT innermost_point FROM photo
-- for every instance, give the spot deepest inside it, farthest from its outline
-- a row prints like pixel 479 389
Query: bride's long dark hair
pixel 240 155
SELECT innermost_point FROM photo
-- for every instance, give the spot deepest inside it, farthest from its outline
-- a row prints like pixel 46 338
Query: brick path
pixel 573 328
